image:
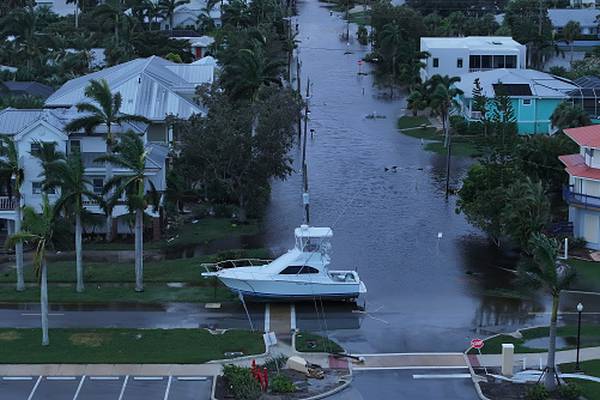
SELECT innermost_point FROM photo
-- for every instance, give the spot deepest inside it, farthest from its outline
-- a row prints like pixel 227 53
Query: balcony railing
pixel 7 203
pixel 581 200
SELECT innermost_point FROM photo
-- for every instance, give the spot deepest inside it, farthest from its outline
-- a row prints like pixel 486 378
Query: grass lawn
pixel 360 18
pixel 311 343
pixel 204 231
pixel 460 148
pixel 588 274
pixel 591 390
pixel 178 270
pixel 408 121
pixel 590 336
pixel 124 345
pixel 98 294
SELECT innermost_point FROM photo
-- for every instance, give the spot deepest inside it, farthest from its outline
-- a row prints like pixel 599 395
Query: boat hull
pixel 294 291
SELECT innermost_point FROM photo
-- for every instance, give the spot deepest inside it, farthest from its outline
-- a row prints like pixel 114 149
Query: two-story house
pixel 583 192
pixel 151 87
pixel 455 56
pixel 534 95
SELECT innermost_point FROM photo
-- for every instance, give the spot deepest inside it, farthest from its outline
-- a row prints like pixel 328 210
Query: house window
pixel 98 185
pixel 459 63
pixel 35 148
pixel 436 62
pixel 75 146
pixel 511 62
pixel 526 102
pixel 36 187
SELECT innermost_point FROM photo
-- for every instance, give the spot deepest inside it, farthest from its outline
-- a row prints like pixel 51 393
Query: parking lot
pixel 105 387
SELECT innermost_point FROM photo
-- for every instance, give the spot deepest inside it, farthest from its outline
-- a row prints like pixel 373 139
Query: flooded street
pixel 425 293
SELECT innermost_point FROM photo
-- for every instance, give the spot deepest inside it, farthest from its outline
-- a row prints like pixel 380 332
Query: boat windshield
pixel 310 244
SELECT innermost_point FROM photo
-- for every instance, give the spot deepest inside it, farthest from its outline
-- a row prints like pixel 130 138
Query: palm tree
pixel 571 31
pixel 113 11
pixel 131 155
pixel 167 9
pixel 390 40
pixel 544 270
pixel 249 71
pixel 567 115
pixel 39 229
pixel 418 99
pixel 443 95
pixel 47 154
pixel 69 175
pixel 23 24
pixel 12 171
pixel 105 109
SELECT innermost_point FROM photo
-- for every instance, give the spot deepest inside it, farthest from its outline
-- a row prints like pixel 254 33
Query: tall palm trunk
pixel 445 123
pixel 19 245
pixel 109 175
pixel 550 378
pixel 139 250
pixel 78 252
pixel 44 302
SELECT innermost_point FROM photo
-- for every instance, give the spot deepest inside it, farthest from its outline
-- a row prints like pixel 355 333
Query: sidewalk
pixel 532 360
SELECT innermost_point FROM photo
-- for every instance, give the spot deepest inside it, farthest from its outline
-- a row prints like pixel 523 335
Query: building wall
pixel 586 225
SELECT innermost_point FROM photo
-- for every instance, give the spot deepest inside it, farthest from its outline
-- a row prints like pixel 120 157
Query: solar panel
pixel 512 89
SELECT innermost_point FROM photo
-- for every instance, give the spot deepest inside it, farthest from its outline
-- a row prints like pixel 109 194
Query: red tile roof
pixel 587 136
pixel 575 166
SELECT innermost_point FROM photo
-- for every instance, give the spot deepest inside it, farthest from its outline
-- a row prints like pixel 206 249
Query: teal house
pixel 534 95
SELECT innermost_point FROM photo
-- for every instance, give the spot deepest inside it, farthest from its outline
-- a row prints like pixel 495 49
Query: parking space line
pixel 104 378
pixel 147 378
pixel 79 387
pixel 38 314
pixel 442 376
pixel 37 383
pixel 192 378
pixel 123 387
pixel 17 378
pixel 168 388
pixel 61 378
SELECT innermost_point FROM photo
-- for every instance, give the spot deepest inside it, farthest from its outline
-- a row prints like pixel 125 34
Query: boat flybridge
pixel 300 274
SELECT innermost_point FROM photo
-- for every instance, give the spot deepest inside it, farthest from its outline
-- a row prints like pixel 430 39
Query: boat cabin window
pixel 309 245
pixel 299 269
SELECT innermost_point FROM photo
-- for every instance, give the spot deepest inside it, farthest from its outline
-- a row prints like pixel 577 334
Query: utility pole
pixel 305 195
pixel 299 90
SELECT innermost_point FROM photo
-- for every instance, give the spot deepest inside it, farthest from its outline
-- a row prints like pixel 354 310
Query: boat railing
pixel 237 263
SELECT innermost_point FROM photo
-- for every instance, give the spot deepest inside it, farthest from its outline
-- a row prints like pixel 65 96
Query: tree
pixel 69 175
pixel 24 24
pixel 542 269
pixel 568 115
pixel 390 39
pixel 12 171
pixel 443 95
pixel 480 103
pixel 105 109
pixel 570 32
pixel 418 99
pixel 131 155
pixel 167 9
pixel 39 230
pixel 526 211
pixel 111 12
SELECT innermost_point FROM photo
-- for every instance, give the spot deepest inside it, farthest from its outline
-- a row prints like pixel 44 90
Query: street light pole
pixel 579 310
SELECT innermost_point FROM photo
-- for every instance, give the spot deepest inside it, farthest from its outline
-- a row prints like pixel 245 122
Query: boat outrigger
pixel 300 274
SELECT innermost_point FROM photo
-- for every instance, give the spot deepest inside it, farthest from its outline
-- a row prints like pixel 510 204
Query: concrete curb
pixel 474 378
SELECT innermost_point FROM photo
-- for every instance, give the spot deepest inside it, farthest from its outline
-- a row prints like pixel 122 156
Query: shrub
pixel 570 391
pixel 242 383
pixel 282 384
pixel 363 35
pixel 537 392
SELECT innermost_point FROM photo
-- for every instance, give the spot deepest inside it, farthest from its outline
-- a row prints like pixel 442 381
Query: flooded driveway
pixel 425 293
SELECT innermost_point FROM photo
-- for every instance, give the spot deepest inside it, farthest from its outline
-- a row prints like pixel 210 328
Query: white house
pixel 187 15
pixel 583 3
pixel 152 87
pixel 459 55
pixel 583 193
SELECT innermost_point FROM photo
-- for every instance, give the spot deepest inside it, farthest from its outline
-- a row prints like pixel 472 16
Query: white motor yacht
pixel 300 274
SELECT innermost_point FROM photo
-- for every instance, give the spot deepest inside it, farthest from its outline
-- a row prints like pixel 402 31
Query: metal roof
pixel 541 84
pixel 28 87
pixel 13 121
pixel 152 87
pixel 585 16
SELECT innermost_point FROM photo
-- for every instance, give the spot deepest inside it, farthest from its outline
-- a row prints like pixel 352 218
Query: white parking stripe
pixel 192 378
pixel 104 378
pixel 79 387
pixel 61 378
pixel 17 378
pixel 147 378
pixel 168 388
pixel 123 387
pixel 442 376
pixel 38 314
pixel 37 383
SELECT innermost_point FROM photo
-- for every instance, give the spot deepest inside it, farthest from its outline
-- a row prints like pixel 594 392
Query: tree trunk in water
pixel 550 378
pixel 19 246
pixel 44 302
pixel 139 251
pixel 445 127
pixel 571 52
pixel 78 253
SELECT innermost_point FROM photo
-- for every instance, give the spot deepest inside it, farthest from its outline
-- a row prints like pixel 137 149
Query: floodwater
pixel 425 293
